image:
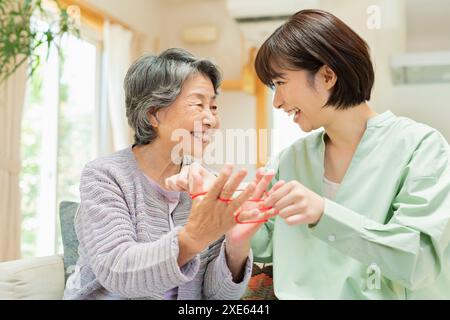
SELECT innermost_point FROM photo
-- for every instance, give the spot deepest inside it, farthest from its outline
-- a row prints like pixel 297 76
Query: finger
pixel 259 173
pixel 171 185
pixel 220 182
pixel 263 184
pixel 257 179
pixel 271 213
pixel 182 184
pixel 286 201
pixel 267 214
pixel 290 211
pixel 255 215
pixel 185 170
pixel 233 184
pixel 248 215
pixel 196 183
pixel 193 169
pixel 297 219
pixel 208 177
pixel 167 183
pixel 184 173
pixel 244 196
pixel 276 186
pixel 277 195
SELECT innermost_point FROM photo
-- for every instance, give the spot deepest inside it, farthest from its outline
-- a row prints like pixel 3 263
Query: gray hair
pixel 154 82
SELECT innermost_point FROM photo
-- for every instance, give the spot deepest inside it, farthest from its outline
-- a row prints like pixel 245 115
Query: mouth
pixel 201 136
pixel 293 112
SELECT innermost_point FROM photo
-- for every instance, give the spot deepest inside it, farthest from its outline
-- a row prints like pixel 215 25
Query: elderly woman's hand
pixel 210 217
pixel 180 181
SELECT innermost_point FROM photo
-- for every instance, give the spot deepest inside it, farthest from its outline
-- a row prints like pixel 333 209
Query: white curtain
pixel 12 97
pixel 118 45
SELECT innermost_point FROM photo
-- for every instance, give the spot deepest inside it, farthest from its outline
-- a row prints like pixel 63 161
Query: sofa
pixel 43 277
pixel 32 279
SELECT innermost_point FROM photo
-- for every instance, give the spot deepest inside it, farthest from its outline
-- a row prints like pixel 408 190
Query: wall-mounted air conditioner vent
pixel 246 10
pixel 257 19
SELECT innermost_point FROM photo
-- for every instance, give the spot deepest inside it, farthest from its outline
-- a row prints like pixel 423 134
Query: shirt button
pixel 331 238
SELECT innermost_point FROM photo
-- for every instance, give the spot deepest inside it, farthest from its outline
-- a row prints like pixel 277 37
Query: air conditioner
pixel 257 10
pixel 257 19
pixel 420 68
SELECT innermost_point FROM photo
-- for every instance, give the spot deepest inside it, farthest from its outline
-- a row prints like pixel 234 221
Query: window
pixel 60 133
pixel 286 131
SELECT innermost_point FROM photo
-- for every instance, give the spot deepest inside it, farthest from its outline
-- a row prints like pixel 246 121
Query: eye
pixel 278 83
pixel 199 105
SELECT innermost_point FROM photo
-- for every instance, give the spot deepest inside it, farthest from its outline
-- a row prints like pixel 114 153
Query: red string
pixel 236 218
pixel 196 195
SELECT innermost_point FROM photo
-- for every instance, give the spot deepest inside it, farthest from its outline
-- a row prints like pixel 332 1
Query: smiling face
pixel 193 114
pixel 303 96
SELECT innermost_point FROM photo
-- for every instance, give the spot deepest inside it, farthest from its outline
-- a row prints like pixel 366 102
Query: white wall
pixel 384 42
pixel 226 52
pixel 428 29
pixel 404 28
pixel 429 104
pixel 144 16
pixel 428 26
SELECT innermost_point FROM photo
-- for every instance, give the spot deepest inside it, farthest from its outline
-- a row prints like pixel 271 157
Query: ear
pixel 152 117
pixel 327 77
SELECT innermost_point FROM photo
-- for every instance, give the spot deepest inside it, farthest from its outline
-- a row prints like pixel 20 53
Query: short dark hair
pixel 154 82
pixel 311 39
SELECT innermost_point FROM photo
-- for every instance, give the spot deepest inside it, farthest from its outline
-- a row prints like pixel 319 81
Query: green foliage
pixel 22 32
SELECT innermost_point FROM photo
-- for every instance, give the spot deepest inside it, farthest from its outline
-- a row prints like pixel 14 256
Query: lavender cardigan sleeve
pixel 219 283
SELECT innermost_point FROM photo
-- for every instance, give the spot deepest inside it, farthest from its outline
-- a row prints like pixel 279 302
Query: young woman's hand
pixel 296 204
pixel 239 236
pixel 237 239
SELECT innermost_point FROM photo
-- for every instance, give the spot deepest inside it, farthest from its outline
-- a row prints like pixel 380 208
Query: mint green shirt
pixel 384 236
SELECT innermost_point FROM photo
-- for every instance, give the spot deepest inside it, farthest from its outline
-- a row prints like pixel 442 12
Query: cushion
pixel 260 286
pixel 67 211
pixel 32 279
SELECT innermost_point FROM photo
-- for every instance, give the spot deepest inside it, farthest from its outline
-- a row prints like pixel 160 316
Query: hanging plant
pixel 25 26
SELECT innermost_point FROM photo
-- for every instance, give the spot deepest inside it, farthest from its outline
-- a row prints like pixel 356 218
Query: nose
pixel 277 100
pixel 210 120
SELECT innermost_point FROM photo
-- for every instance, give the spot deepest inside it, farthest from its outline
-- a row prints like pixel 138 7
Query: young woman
pixel 365 210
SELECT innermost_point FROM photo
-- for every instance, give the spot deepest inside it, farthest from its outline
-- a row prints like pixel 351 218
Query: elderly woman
pixel 139 240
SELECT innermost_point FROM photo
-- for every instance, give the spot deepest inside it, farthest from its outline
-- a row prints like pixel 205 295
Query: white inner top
pixel 330 189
